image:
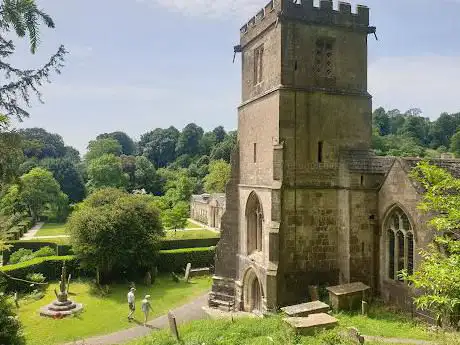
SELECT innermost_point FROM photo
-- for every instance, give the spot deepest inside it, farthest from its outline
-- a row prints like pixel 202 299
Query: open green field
pixel 272 330
pixel 191 225
pixel 190 234
pixel 103 314
pixel 52 229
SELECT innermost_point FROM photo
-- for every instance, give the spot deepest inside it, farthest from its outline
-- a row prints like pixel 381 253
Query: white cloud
pixel 212 8
pixel 431 83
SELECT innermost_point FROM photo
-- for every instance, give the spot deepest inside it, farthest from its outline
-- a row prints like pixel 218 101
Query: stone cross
pixel 173 325
pixel 187 272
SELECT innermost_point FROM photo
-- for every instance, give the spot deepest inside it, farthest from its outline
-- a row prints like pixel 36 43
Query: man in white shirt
pixel 131 303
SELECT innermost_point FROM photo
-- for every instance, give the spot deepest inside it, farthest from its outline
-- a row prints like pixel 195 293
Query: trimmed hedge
pixel 61 249
pixel 49 266
pixel 168 261
pixel 176 260
pixel 189 243
pixel 66 249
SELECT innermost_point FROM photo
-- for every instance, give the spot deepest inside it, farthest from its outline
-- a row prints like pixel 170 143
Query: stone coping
pixel 347 289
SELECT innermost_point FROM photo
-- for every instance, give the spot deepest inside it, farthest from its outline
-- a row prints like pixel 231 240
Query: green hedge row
pixel 176 260
pixel 19 229
pixel 168 261
pixel 66 249
pixel 61 249
pixel 49 266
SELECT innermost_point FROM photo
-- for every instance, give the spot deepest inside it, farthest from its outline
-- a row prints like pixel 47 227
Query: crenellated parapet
pixel 306 11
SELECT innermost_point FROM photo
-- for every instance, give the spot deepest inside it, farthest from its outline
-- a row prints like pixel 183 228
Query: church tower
pixel 304 106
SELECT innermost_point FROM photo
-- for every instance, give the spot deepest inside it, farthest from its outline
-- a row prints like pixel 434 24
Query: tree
pixel 145 176
pixel 37 190
pixel 176 218
pixel 68 176
pixel 11 157
pixel 220 134
pixel 219 174
pixel 381 121
pixel 116 236
pixel 179 187
pixel 224 149
pixel 189 140
pixel 10 327
pixel 72 154
pixel 106 171
pixel 438 275
pixel 23 17
pixel 443 129
pixel 98 148
pixel 455 144
pixel 207 142
pixel 159 146
pixel 128 147
pixel 40 144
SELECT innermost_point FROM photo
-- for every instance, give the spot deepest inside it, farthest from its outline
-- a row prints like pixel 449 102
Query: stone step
pixel 220 304
pixel 306 309
pixel 304 325
pixel 221 296
pixel 197 272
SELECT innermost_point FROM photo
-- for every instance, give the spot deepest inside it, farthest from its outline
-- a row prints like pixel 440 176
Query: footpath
pixel 186 313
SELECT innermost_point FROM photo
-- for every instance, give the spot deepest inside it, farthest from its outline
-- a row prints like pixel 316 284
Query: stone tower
pixel 295 215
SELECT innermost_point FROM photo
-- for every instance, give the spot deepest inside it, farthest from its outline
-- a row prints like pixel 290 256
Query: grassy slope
pixel 103 314
pixel 190 234
pixel 269 331
pixel 52 229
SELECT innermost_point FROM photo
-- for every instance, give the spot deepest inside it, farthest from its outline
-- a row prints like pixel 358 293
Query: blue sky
pixel 135 65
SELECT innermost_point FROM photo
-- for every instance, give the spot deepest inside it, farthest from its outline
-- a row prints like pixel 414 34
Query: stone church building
pixel 308 203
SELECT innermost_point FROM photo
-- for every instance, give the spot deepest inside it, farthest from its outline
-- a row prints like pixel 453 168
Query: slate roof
pixel 207 198
pixel 365 161
pixel 451 165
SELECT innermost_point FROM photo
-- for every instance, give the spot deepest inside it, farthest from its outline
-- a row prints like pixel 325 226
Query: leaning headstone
pixel 148 278
pixel 187 272
pixel 313 292
pixel 364 307
pixel 173 325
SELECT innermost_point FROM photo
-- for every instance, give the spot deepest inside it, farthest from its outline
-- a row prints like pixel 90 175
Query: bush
pixel 60 250
pixel 176 260
pixel 36 277
pixel 45 251
pixel 21 255
pixel 10 328
pixel 50 267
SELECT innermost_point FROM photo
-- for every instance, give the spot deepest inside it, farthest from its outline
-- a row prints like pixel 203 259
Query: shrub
pixel 21 255
pixel 36 277
pixel 61 249
pixel 50 267
pixel 176 260
pixel 45 251
pixel 10 328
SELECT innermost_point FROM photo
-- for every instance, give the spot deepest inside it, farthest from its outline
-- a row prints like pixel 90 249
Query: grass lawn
pixel 103 315
pixel 192 225
pixel 57 240
pixel 52 229
pixel 273 330
pixel 190 234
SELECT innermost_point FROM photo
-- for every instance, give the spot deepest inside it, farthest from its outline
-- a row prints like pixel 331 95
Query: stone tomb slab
pixel 306 309
pixel 303 325
pixel 347 296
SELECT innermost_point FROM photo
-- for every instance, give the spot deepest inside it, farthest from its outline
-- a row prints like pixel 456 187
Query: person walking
pixel 131 303
pixel 146 307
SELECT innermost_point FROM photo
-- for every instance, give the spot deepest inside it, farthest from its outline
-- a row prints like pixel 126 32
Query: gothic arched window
pixel 400 244
pixel 254 224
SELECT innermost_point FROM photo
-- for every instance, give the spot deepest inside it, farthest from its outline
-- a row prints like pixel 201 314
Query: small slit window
pixel 258 64
pixel 320 152
pixel 255 153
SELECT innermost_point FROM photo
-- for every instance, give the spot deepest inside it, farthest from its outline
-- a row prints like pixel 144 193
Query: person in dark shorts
pixel 131 303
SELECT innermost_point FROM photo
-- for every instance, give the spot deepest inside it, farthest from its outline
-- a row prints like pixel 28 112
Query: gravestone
pixel 306 309
pixel 364 308
pixel 354 334
pixel 313 292
pixel 187 272
pixel 303 325
pixel 347 296
pixel 173 325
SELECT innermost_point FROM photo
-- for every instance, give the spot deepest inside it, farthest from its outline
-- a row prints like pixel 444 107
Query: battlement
pixel 304 10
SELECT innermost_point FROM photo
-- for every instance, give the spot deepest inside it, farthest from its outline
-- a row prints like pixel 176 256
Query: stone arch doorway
pixel 252 293
pixel 254 224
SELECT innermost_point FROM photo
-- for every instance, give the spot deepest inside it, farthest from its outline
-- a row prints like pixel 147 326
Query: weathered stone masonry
pixel 308 199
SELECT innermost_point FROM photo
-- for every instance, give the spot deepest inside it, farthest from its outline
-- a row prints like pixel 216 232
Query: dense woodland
pixel 172 164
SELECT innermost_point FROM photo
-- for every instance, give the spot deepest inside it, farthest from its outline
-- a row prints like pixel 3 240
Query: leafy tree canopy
pixel 40 144
pixel 106 171
pixel 219 174
pixel 122 235
pixel 98 148
pixel 127 144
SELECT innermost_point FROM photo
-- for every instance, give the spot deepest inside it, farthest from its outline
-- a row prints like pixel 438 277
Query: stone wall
pixel 399 191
